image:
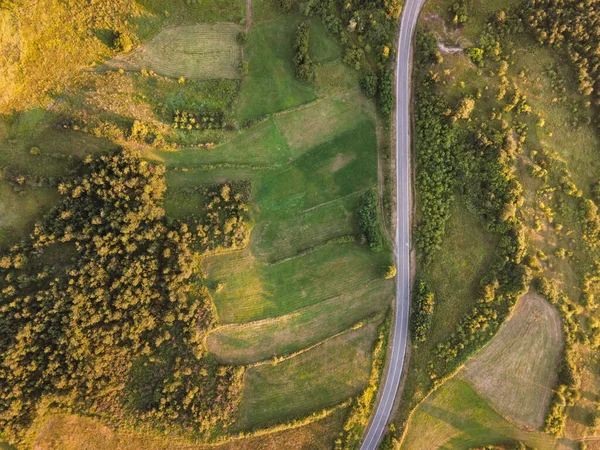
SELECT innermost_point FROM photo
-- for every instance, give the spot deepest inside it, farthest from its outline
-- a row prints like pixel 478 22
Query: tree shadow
pixel 467 426
pixel 106 36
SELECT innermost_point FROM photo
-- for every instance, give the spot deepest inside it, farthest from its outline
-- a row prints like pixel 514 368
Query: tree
pixel 123 42
pixel 390 272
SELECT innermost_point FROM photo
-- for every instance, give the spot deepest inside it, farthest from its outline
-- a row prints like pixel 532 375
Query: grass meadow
pixel 332 372
pixel 195 52
pixel 271 85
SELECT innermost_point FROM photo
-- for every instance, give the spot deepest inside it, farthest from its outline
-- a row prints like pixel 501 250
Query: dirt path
pixel 248 14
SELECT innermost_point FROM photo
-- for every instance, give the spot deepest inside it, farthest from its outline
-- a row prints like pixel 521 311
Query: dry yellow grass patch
pixel 516 371
pixel 201 52
pixel 67 432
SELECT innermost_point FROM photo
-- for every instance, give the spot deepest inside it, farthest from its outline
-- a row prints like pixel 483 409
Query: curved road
pixel 380 420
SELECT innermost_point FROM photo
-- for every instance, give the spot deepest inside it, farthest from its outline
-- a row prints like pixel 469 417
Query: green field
pixel 271 85
pixel 261 340
pixel 319 378
pixel 195 52
pixel 456 417
pixel 458 267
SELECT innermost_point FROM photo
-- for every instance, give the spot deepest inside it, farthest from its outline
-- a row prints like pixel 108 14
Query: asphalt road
pixel 381 418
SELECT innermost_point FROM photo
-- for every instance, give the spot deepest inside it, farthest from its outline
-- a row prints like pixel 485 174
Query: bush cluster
pixel 366 29
pixel 209 120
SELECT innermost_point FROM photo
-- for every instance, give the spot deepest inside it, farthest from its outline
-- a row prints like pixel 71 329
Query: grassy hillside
pixel 456 417
pixel 303 291
pixel 533 92
pixel 529 345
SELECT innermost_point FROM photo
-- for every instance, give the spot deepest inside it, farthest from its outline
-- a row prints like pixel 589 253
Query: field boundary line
pixel 309 250
pixel 293 424
pixel 362 191
pixel 279 359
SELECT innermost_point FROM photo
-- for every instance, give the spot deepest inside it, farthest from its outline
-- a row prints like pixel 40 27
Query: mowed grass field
pixel 516 372
pixel 271 85
pixel 331 372
pixel 196 52
pixel 261 340
pixel 456 417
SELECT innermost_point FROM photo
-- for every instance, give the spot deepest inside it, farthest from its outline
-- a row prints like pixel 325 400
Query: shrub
pixel 390 272
pixel 123 42
pixel 476 55
pixel 422 315
pixel 241 38
pixel 369 85
pixel 243 68
pixel 386 92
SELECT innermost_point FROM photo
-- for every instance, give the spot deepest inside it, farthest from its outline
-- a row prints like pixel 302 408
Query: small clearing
pixel 196 52
pixel 515 372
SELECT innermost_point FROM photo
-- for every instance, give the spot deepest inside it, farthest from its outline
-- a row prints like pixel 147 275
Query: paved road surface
pixel 378 425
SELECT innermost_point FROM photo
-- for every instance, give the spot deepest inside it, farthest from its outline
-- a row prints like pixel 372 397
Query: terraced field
pixel 305 297
pixel 301 304
pixel 196 52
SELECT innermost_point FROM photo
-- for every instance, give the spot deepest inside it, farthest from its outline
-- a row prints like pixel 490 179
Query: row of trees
pixel 422 314
pixel 369 220
pixel 305 68
pixel 102 310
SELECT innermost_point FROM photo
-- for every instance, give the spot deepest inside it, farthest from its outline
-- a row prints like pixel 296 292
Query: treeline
pixel 370 221
pixel 305 68
pixel 566 390
pixel 102 311
pixel 436 146
pixel 360 412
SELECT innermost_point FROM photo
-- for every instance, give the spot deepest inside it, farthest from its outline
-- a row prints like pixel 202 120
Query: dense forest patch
pixel 102 295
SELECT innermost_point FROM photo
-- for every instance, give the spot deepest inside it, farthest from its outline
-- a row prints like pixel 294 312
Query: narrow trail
pixel 248 15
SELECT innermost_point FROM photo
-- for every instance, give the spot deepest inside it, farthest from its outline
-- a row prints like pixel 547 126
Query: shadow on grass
pixel 473 431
